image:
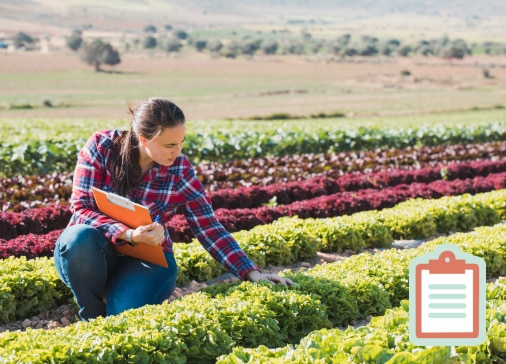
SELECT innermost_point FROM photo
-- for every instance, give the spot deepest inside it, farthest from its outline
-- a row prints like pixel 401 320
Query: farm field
pixel 333 172
pixel 286 211
pixel 71 128
pixel 214 89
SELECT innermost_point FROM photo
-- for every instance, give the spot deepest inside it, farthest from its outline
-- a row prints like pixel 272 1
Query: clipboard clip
pixel 447 264
pixel 120 201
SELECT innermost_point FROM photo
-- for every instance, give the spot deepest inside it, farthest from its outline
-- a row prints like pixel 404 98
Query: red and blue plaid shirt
pixel 162 189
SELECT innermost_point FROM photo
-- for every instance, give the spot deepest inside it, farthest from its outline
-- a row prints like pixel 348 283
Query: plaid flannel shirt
pixel 162 189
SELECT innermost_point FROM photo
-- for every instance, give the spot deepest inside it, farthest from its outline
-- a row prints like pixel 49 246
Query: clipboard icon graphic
pixel 133 215
pixel 447 298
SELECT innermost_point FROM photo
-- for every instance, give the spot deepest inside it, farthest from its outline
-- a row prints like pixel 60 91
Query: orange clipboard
pixel 133 215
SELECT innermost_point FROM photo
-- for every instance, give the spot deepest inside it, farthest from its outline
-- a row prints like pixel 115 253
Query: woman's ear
pixel 142 140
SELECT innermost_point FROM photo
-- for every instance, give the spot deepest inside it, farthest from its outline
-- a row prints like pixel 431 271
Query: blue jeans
pixel 104 282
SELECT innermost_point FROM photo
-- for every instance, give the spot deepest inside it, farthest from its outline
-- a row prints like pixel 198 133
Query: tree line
pixel 97 52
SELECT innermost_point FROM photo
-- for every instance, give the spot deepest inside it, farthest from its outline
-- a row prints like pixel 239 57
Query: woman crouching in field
pixel 144 164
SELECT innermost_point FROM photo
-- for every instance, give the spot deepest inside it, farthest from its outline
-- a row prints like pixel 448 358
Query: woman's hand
pixel 255 276
pixel 152 234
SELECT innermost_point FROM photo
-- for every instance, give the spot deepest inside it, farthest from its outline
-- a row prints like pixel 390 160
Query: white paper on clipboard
pixel 120 201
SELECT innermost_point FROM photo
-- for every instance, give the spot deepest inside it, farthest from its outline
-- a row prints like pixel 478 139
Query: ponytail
pixel 125 169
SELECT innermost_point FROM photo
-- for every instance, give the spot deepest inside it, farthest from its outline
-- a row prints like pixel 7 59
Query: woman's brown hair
pixel 148 118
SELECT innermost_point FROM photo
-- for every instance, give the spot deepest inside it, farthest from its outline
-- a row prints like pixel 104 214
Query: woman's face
pixel 163 148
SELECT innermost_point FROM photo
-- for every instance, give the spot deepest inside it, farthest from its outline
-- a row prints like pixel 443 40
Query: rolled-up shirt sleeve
pixel 209 231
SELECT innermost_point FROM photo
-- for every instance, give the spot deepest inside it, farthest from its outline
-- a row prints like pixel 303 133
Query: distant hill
pixel 482 20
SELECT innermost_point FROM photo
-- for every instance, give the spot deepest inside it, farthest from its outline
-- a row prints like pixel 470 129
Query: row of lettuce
pixel 41 157
pixel 218 323
pixel 21 192
pixel 56 190
pixel 31 286
pixel 296 167
pixel 34 232
pixel 384 340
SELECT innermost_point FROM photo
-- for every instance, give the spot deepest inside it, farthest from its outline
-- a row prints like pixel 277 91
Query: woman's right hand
pixel 152 234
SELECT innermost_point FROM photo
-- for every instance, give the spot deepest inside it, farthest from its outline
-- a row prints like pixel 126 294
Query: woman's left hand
pixel 255 276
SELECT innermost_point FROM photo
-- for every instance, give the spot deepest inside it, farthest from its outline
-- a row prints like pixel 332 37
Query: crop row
pixel 287 193
pixel 22 192
pixel 341 203
pixel 47 156
pixel 33 221
pixel 201 327
pixel 283 193
pixel 338 204
pixel 263 171
pixel 385 340
pixel 60 187
pixel 294 239
pixel 29 286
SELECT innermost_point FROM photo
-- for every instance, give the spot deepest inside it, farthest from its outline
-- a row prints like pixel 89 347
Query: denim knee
pixel 80 238
pixel 152 284
pixel 84 258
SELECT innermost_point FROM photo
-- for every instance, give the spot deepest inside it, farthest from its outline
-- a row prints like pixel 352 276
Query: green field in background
pixel 68 129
